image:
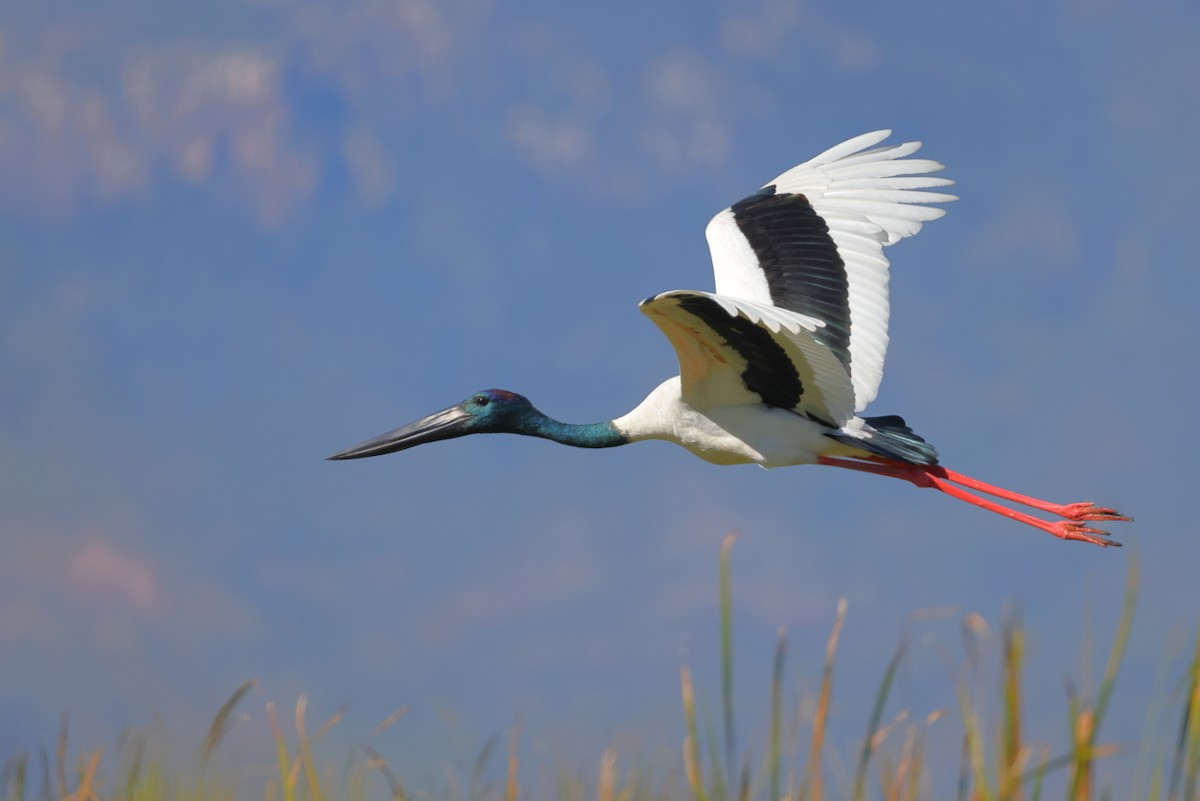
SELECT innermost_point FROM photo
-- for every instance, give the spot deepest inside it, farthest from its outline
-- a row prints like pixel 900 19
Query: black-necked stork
pixel 777 364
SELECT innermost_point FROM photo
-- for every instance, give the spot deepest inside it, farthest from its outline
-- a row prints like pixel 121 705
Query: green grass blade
pixel 1087 724
pixel 1155 791
pixel 1010 759
pixel 477 789
pixel 973 768
pixel 1184 765
pixel 716 774
pixel 1193 729
pixel 1119 642
pixel 60 757
pixel 223 720
pixel 864 757
pixel 134 773
pixel 283 761
pixel 306 754
pixel 13 778
pixel 727 652
pixel 379 763
pixel 773 746
pixel 44 761
pixel 1038 777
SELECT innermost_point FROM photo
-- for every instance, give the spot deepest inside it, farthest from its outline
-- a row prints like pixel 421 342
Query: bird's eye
pixel 482 400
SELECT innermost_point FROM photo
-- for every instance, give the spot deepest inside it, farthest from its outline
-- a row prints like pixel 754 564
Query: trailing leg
pixel 943 480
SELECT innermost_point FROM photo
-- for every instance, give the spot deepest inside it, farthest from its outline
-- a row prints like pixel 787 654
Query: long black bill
pixel 446 424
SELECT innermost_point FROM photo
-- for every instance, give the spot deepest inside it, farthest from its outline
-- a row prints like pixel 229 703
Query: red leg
pixel 940 479
pixel 1086 510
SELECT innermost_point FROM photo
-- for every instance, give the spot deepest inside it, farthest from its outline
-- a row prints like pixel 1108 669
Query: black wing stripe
pixel 804 271
pixel 769 372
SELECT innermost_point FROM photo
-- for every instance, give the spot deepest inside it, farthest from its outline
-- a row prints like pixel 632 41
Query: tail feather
pixel 890 437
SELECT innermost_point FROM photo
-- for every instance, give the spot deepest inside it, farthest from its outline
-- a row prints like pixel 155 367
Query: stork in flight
pixel 776 366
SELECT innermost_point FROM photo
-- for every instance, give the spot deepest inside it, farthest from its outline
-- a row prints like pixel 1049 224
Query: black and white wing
pixel 811 243
pixel 734 352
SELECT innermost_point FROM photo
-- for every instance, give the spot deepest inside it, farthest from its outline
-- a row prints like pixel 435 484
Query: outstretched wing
pixel 734 351
pixel 812 240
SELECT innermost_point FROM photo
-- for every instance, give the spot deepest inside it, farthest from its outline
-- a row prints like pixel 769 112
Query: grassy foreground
pixel 997 764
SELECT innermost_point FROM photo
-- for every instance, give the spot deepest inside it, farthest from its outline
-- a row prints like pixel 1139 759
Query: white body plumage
pixel 722 434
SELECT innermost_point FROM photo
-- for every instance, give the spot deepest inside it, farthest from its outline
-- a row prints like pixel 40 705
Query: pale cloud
pixel 98 570
pixel 559 134
pixel 1030 236
pixel 56 582
pixel 228 116
pixel 686 126
pixel 192 105
pixel 367 46
pixel 371 166
pixel 211 113
pixel 50 580
pixel 552 142
pixel 70 142
pixel 763 32
pixel 750 31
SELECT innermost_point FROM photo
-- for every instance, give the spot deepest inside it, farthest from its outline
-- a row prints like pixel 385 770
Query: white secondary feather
pixel 711 371
pixel 869 198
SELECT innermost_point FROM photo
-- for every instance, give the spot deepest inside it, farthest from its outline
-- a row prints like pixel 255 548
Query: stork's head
pixel 487 411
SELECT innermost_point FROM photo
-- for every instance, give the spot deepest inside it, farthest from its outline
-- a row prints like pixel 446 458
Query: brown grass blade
pixel 511 786
pixel 85 791
pixel 821 716
pixel 691 742
pixel 691 767
pixel 1081 780
pixel 607 781
pixel 914 771
pixel 333 720
pixel 387 722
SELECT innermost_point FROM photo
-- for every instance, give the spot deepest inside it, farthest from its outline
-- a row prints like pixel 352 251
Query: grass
pixel 997 762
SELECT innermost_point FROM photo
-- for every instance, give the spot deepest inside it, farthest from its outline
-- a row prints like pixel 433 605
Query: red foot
pixel 1073 530
pixel 1090 511
pixel 943 480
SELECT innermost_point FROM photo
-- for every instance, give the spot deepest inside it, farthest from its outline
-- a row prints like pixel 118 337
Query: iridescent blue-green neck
pixel 587 435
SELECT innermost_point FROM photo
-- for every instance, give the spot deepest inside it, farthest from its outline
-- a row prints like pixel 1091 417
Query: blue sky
pixel 237 240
